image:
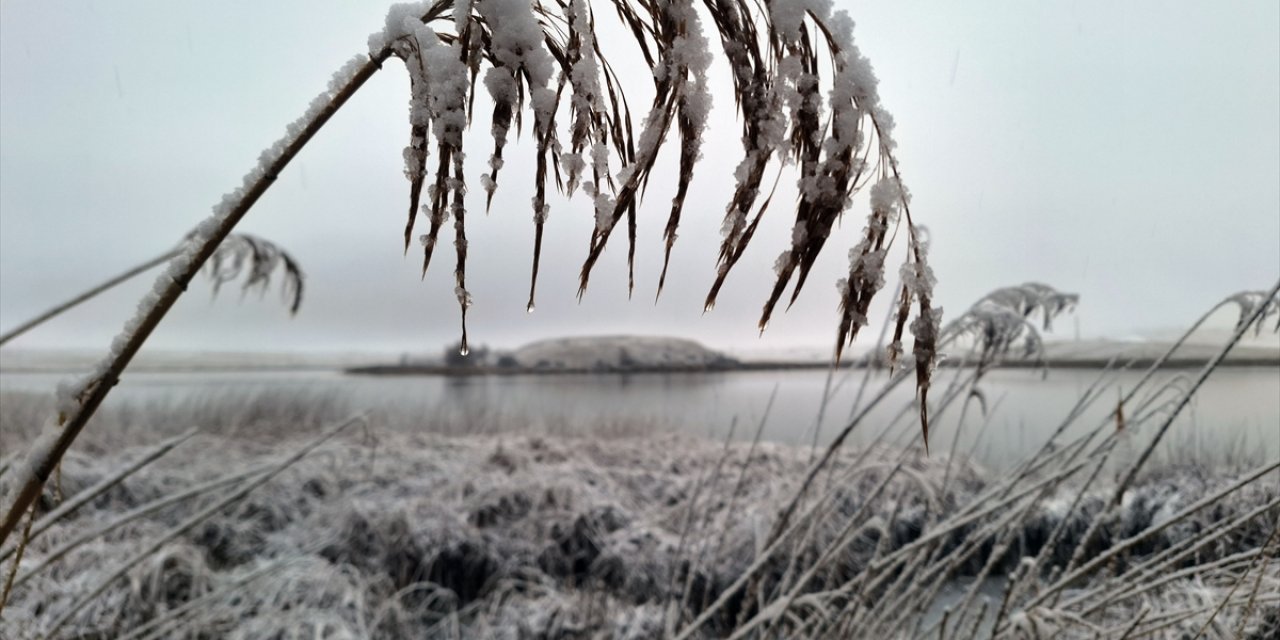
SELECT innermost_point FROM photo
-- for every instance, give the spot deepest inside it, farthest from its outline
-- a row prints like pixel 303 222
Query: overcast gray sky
pixel 1127 151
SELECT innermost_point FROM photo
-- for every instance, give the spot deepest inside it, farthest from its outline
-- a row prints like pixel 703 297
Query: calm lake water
pixel 1236 414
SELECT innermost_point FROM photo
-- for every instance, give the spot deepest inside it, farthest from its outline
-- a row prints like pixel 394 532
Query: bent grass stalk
pixel 197 518
pixel 83 497
pixel 91 293
pixel 1124 545
pixel 1156 569
pixel 259 255
pixel 134 514
pixel 1243 327
pixel 52 446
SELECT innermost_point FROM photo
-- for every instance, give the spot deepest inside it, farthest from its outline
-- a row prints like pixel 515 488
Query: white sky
pixel 1127 151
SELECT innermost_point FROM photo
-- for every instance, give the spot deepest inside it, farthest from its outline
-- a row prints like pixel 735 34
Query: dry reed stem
pixel 1243 327
pixel 159 626
pixel 129 516
pixel 17 560
pixel 87 295
pixel 85 496
pixel 842 539
pixel 263 258
pixel 197 518
pixel 1161 563
pixel 1142 615
pixel 1253 593
pixel 1124 545
pixel 42 462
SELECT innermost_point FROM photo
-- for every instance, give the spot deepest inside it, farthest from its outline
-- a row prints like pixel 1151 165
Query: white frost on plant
pixel 870 264
pixel 447 86
pixel 517 47
pixel 518 51
pixel 439 78
pixel 415 156
pixel 462 14
pixel 789 87
pixel 690 53
pixel 464 297
pixel 587 99
pixel 652 133
pixel 733 224
pixel 688 56
pixel 788 16
pixel 573 164
pixel 918 279
pixel 783 262
pixel 886 197
pixel 925 327
pixel 400 22
pixel 799 234
pixel 852 99
pixel 40 453
pixel 917 275
pixel 541 210
pixel 604 204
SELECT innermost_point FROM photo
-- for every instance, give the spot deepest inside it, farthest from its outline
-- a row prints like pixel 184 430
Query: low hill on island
pixel 619 353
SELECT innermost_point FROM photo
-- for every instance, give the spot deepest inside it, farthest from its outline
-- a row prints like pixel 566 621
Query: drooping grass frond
pixel 256 260
pixel 238 254
pixel 1002 318
pixel 546 59
pixel 1256 309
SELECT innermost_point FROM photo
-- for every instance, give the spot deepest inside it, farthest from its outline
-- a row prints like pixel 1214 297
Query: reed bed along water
pixel 392 530
pixel 278 518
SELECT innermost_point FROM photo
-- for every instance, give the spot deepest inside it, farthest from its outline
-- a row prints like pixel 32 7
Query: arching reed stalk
pixel 1255 311
pixel 547 53
pixel 240 254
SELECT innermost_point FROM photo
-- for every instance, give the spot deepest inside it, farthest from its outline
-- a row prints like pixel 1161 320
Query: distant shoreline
pixel 369 367
pixel 488 370
pixel 805 365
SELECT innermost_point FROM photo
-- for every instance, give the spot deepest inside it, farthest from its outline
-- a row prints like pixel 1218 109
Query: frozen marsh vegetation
pixel 413 526
pixel 400 529
pixel 306 523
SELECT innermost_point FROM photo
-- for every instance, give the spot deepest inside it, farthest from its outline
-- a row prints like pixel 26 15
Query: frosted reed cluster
pixel 805 95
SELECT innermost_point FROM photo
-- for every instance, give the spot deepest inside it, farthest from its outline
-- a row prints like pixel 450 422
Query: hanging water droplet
pixel 708 307
pixel 529 309
pixel 463 350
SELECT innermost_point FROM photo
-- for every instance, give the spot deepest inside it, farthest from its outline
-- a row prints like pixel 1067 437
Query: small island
pixel 625 354
pixel 590 354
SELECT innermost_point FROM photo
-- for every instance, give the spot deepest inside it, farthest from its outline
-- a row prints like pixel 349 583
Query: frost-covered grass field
pixel 400 529
pixel 281 517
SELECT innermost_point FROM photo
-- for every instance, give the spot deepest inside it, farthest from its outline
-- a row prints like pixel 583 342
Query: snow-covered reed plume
pixel 534 49
pixel 551 54
pixel 530 47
